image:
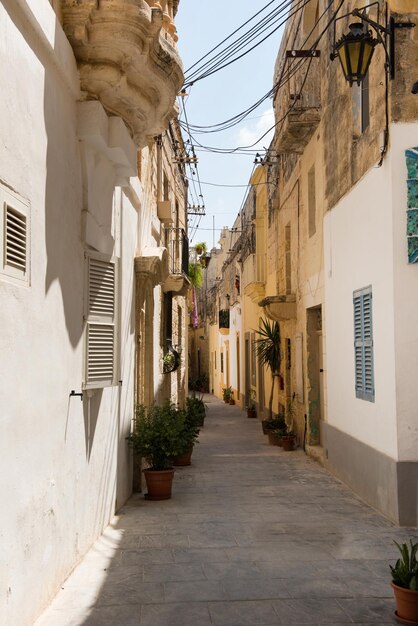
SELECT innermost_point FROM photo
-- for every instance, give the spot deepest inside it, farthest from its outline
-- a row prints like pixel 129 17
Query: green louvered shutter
pixel 363 344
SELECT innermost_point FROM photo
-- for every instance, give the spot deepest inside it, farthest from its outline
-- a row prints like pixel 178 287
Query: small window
pixel 166 187
pixel 288 259
pixel 311 201
pixel 253 360
pixel 101 309
pixel 363 344
pixel 14 237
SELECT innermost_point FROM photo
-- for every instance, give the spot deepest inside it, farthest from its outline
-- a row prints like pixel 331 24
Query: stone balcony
pixel 297 109
pixel 127 58
pixel 254 276
pixel 280 308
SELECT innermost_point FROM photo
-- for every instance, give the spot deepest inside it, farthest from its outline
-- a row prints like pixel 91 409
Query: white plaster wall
pixel 405 300
pixel 62 461
pixel 365 244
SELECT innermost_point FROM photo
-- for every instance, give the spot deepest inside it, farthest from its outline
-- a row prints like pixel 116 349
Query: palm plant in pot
pixel 405 583
pixel 157 437
pixel 268 350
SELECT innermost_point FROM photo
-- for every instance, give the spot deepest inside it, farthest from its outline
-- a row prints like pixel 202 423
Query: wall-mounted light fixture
pixel 355 49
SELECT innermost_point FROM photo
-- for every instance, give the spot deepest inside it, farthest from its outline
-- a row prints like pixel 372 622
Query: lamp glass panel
pixel 354 51
pixel 342 55
pixel 367 57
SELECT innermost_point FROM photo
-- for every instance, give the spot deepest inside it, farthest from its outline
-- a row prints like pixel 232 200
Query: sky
pixel 201 25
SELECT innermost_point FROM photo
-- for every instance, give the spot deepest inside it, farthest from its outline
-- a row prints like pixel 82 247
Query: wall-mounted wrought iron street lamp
pixel 355 49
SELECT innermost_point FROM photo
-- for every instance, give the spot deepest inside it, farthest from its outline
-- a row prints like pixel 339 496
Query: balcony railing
pixel 224 318
pixel 298 104
pixel 177 245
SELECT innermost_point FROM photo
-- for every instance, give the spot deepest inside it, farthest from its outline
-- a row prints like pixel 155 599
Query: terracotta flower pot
pixel 288 443
pixel 231 401
pixel 183 460
pixel 159 483
pixel 406 604
pixel 264 427
pixel 274 440
pixel 251 413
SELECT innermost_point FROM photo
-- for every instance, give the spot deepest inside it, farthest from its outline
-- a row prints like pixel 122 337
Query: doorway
pixel 315 374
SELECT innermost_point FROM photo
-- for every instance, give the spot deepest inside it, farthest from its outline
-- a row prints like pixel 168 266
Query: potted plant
pixel 231 397
pixel 289 437
pixel 196 406
pixel 288 440
pixel 226 394
pixel 201 248
pixel 189 435
pixel 274 429
pixel 157 437
pixel 405 583
pixel 251 408
pixel 171 361
pixel 268 351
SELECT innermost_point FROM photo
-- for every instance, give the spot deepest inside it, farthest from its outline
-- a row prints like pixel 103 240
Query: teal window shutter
pixel 363 344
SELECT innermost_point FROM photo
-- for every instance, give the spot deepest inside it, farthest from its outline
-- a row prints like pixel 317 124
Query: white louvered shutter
pixel 363 344
pixel 101 323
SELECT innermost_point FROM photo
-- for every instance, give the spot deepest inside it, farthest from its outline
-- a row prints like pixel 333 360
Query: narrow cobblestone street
pixel 252 536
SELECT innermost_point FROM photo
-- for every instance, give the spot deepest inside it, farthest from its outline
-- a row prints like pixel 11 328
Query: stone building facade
pixel 93 202
pixel 341 280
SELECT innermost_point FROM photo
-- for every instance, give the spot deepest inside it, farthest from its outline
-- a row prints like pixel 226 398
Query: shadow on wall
pixel 62 196
pixel 63 204
pixel 91 410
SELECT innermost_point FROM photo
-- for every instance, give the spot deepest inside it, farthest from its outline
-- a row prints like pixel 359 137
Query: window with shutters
pixel 100 316
pixel 14 237
pixel 363 344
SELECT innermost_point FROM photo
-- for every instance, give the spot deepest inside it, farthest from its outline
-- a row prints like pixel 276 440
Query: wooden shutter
pixel 101 326
pixel 363 344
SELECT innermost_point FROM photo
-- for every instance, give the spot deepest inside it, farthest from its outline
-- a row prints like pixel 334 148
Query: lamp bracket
pixel 302 54
pixel 378 27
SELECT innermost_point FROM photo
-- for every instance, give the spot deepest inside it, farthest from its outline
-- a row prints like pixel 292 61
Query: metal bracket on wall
pixel 73 393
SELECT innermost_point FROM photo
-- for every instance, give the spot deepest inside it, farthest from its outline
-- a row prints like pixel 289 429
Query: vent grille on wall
pixel 15 248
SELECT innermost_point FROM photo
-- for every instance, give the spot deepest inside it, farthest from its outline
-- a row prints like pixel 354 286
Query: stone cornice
pixel 125 62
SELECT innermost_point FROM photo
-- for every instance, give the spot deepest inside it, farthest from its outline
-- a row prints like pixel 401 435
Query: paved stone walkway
pixel 252 536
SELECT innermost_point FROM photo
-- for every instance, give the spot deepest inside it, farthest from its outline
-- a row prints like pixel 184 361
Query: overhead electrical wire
pixel 231 54
pixel 284 78
pixel 231 35
pixel 277 86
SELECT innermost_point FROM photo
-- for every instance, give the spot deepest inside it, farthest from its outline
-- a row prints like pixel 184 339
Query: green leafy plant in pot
pixel 275 428
pixel 226 394
pixel 196 408
pixel 157 437
pixel 189 436
pixel 251 408
pixel 405 583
